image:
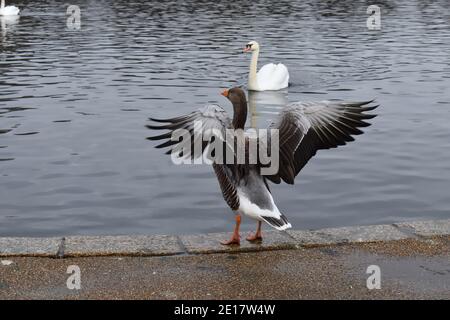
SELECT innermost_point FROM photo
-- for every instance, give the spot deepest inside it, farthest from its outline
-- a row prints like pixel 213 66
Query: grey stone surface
pixel 427 228
pixel 121 245
pixel 371 233
pixel 29 246
pixel 210 243
pixel 348 235
pixel 410 269
pixel 310 238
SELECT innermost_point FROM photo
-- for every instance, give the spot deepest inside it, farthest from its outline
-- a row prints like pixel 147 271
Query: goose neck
pixel 239 114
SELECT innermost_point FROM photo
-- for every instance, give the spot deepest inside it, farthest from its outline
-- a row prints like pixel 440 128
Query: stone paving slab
pixel 371 233
pixel 142 245
pixel 347 235
pixel 121 245
pixel 427 228
pixel 308 238
pixel 45 247
pixel 210 243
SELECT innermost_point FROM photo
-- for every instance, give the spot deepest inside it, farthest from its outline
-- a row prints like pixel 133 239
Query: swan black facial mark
pixel 248 47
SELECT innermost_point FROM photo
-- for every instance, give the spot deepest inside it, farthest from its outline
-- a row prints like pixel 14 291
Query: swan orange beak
pixel 247 49
pixel 224 93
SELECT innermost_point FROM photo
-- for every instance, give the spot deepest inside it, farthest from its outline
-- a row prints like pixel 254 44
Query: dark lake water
pixel 74 104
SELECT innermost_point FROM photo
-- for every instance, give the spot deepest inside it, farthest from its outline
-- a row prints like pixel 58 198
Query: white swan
pixel 270 77
pixel 9 10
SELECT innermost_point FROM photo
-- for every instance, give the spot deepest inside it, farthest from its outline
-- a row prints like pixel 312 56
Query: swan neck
pixel 2 4
pixel 253 69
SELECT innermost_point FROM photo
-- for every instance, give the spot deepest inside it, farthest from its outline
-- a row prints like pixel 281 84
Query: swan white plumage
pixel 8 10
pixel 270 77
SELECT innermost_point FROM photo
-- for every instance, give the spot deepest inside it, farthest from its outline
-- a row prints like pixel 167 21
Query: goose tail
pixel 280 223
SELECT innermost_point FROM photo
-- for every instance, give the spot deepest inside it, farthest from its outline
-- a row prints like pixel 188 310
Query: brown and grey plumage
pixel 304 128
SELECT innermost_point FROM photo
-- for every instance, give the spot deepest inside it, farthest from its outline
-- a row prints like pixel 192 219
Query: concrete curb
pixel 164 245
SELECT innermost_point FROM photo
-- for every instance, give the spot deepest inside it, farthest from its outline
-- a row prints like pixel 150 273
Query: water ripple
pixel 73 105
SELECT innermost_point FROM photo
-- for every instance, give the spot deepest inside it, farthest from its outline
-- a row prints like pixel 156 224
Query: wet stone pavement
pixel 413 268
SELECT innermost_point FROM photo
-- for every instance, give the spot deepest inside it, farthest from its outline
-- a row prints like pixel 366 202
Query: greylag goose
pixel 303 129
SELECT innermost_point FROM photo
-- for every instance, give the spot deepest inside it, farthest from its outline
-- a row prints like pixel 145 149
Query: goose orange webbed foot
pixel 235 240
pixel 257 236
pixel 254 237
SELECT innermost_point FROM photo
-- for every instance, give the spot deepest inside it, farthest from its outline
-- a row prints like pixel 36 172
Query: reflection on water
pixel 265 105
pixel 73 105
pixel 7 25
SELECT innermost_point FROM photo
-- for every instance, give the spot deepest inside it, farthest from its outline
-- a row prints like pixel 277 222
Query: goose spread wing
pixel 197 127
pixel 306 127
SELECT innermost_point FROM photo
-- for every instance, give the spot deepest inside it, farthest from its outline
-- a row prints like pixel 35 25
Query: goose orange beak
pixel 224 93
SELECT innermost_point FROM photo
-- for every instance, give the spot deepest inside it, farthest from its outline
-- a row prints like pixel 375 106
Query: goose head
pixel 251 46
pixel 235 95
